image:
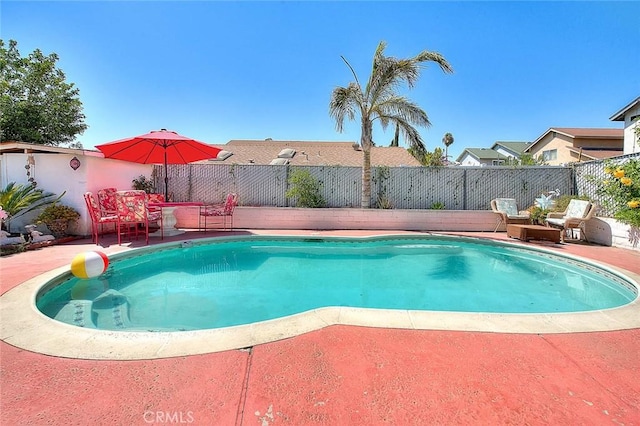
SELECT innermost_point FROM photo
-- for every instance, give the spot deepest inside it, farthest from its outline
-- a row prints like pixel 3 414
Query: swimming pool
pixel 238 281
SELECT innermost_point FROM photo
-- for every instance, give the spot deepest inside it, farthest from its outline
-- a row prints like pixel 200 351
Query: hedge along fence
pixel 457 188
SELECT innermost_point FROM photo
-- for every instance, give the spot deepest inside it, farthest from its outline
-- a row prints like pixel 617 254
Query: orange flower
pixel 619 173
pixel 626 181
pixel 634 204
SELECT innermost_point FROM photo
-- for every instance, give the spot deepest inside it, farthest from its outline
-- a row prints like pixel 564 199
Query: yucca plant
pixel 19 199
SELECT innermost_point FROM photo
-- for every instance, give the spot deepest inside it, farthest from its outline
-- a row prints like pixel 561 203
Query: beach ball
pixel 89 264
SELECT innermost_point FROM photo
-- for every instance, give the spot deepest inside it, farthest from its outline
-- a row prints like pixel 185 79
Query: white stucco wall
pixel 610 232
pixel 53 174
pixel 631 144
pixel 469 160
pixel 505 152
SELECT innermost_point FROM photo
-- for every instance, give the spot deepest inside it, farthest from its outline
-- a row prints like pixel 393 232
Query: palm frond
pixel 18 199
pixel 412 136
pixel 399 106
pixel 427 56
pixel 344 103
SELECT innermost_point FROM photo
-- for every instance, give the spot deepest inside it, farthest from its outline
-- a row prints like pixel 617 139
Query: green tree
pixel 379 100
pixel 526 159
pixel 37 104
pixel 447 140
pixel 426 158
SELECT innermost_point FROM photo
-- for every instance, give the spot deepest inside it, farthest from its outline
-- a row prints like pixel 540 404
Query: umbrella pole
pixel 166 179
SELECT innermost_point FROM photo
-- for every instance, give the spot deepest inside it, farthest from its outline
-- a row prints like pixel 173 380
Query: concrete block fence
pixel 353 219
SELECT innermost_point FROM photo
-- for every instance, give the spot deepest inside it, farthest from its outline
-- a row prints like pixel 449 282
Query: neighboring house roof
pixel 309 153
pixel 515 147
pixel 582 133
pixel 11 147
pixel 619 116
pixel 482 154
pixel 596 154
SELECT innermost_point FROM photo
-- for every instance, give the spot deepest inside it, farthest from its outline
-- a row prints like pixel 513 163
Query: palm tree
pixel 447 140
pixel 379 100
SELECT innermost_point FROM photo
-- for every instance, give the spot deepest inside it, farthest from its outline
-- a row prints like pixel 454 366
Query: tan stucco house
pixel 630 115
pixel 561 145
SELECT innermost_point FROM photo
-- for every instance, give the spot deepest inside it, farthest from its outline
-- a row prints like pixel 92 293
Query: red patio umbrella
pixel 159 147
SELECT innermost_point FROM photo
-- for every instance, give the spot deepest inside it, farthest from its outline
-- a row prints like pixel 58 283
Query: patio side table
pixel 169 219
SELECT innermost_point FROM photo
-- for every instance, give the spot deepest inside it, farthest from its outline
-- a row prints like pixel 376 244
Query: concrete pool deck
pixel 340 374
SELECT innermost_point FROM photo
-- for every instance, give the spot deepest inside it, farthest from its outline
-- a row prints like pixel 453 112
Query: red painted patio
pixel 340 375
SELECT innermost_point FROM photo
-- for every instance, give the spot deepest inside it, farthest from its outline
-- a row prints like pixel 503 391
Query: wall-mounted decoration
pixel 74 163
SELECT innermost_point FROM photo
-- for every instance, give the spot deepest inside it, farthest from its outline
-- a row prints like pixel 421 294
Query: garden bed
pixel 10 249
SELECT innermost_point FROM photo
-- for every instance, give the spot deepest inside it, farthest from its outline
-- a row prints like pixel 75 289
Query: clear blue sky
pixel 217 71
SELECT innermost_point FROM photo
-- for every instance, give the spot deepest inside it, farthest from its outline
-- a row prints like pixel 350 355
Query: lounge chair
pixel 507 211
pixel 577 214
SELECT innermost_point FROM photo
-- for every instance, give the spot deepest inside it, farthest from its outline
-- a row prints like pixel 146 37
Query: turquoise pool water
pixel 216 284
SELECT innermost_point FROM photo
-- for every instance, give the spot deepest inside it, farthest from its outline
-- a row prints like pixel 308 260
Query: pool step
pixel 76 312
pixel 112 310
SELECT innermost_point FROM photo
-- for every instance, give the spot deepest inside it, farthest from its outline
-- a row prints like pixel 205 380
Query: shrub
pixel 56 212
pixel 621 191
pixel 305 189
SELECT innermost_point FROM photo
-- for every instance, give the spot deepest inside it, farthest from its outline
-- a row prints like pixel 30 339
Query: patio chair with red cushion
pixel 98 219
pixel 133 210
pixel 107 200
pixel 155 198
pixel 222 211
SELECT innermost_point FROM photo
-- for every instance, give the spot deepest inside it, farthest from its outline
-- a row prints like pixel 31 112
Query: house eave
pixel 12 147
pixel 619 116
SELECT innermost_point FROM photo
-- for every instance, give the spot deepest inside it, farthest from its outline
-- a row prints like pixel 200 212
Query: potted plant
pixel 57 218
pixel 142 183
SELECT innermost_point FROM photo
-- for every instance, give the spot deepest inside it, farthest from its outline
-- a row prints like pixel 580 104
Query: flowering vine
pixel 621 191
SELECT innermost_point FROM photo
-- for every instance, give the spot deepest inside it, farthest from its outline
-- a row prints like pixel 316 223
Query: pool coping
pixel 29 329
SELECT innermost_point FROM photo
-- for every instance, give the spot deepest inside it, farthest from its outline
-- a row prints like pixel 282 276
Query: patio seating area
pixel 337 375
pixel 133 211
